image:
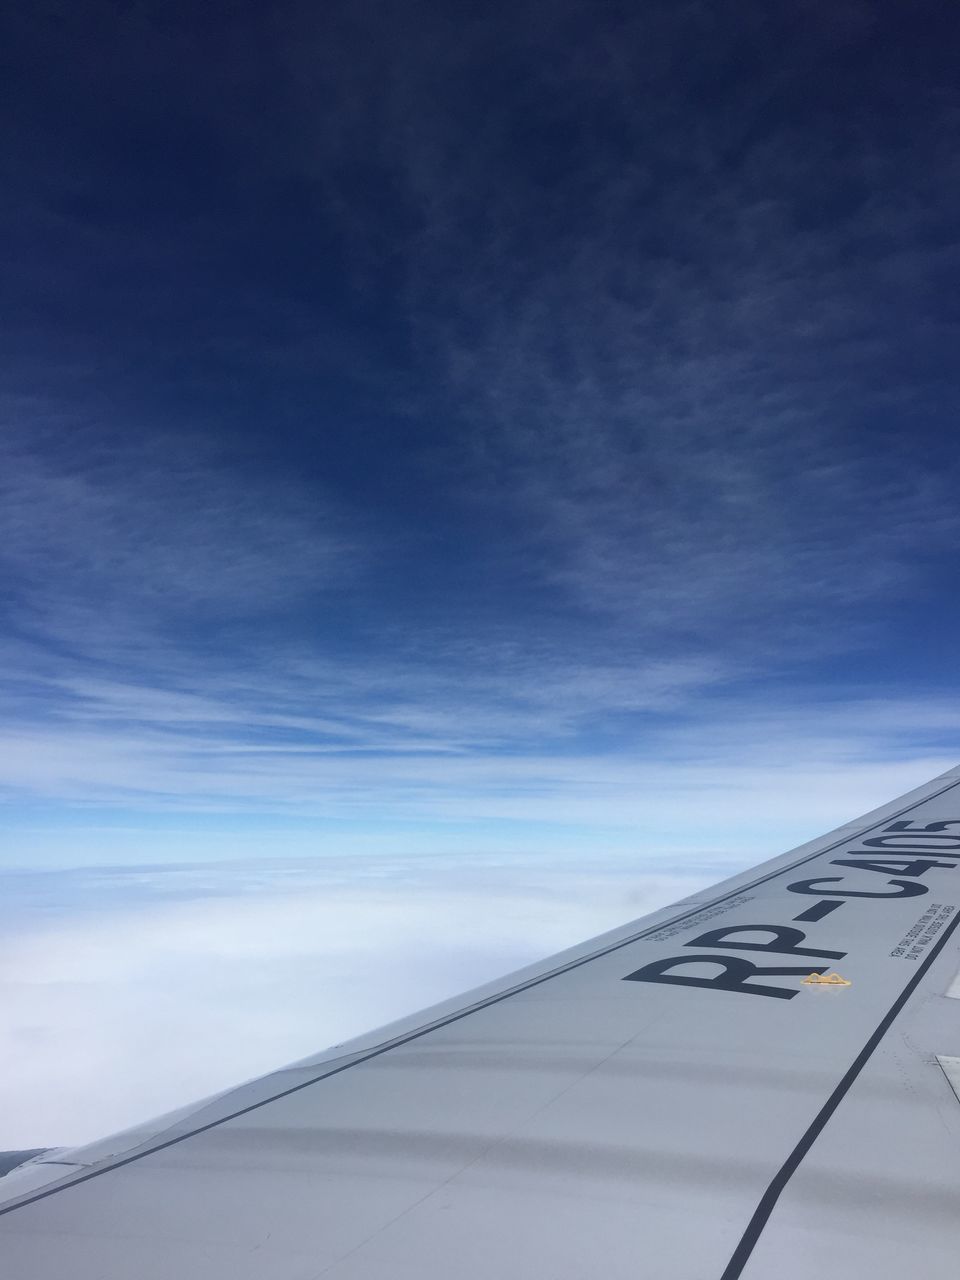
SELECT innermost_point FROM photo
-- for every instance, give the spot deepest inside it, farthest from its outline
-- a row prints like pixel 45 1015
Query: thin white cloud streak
pixel 713 794
pixel 203 765
pixel 297 700
pixel 107 1018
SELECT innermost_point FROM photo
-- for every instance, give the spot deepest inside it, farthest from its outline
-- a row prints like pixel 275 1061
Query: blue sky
pixel 513 433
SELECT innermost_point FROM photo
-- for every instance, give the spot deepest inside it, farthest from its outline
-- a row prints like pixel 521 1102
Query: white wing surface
pixel 676 1099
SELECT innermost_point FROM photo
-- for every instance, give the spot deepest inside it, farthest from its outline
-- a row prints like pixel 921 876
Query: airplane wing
pixel 760 1081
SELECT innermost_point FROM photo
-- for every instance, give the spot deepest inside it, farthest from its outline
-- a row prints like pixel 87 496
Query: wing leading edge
pixel 691 1096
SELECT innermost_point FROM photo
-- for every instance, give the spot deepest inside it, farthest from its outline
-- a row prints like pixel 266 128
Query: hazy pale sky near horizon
pixel 517 440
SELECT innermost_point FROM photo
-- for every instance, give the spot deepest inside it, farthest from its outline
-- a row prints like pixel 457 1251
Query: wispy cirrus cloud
pixel 141 530
pixel 693 347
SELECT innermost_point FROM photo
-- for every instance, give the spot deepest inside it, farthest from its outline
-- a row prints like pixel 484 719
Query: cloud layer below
pixel 125 994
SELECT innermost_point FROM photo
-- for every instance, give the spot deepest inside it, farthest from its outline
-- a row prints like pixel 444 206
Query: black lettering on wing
pixel 735 975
